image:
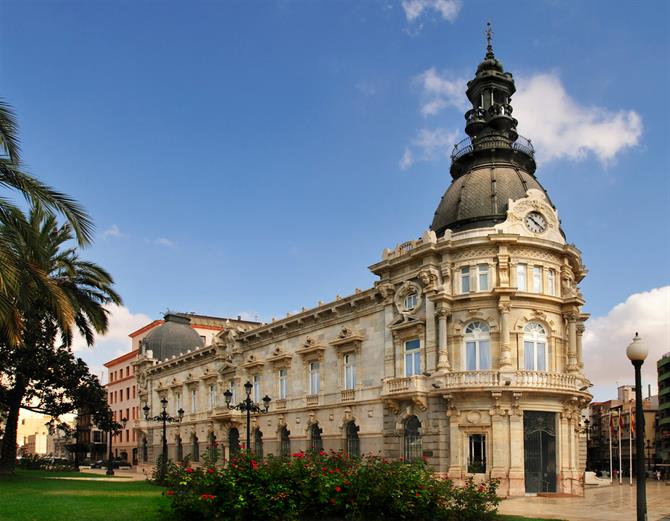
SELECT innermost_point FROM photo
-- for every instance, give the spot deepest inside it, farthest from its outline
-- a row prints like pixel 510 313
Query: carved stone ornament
pixel 408 288
pixel 387 291
pixel 535 201
pixel 473 417
pixel 429 277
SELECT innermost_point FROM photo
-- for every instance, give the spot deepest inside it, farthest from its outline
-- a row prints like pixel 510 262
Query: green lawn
pixel 30 496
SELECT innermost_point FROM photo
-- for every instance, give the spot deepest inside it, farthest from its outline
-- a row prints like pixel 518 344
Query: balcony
pixel 312 400
pixel 404 385
pixel 516 379
pixel 280 404
pixel 347 395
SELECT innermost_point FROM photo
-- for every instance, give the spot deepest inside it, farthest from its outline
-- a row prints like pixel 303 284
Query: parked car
pixel 102 464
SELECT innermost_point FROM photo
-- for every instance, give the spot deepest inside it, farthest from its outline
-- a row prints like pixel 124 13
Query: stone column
pixel 580 354
pixel 387 291
pixel 565 456
pixel 443 348
pixel 505 360
pixel 430 335
pixel 517 485
pixel 572 341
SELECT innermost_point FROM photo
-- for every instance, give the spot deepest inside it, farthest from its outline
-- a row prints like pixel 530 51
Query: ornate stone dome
pixel 480 198
pixel 174 337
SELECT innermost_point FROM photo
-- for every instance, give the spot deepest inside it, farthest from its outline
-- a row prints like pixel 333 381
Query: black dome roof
pixel 172 338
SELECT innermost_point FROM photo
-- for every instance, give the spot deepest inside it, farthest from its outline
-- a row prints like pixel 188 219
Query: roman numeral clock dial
pixel 535 222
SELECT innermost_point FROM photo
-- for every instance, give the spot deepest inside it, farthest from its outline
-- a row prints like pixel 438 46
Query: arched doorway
pixel 315 441
pixel 539 451
pixel 195 449
pixel 413 443
pixel 258 444
pixel 234 442
pixel 179 449
pixel 284 442
pixel 212 450
pixel 353 446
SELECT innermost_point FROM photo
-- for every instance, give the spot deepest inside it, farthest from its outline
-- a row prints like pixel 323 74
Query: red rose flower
pixel 254 465
pixel 210 471
pixel 189 470
pixel 170 493
pixel 338 489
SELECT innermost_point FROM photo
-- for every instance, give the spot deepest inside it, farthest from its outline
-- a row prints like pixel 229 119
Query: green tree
pixel 58 293
pixel 14 179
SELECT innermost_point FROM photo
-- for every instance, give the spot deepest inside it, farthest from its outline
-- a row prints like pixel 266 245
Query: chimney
pixel 239 317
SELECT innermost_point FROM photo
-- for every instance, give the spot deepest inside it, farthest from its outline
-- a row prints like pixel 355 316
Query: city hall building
pixel 466 351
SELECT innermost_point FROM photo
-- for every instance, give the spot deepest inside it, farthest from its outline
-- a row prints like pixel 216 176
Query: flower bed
pixel 324 486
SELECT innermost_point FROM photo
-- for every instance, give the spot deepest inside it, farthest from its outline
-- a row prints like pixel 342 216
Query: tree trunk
pixel 8 453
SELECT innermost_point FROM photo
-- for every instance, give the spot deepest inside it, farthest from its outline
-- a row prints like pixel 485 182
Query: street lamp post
pixel 637 352
pixel 648 445
pixel 110 464
pixel 249 406
pixel 165 418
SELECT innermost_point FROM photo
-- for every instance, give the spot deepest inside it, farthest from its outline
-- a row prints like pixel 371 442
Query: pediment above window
pixel 280 358
pixel 407 325
pixel 348 339
pixel 311 349
pixel 252 362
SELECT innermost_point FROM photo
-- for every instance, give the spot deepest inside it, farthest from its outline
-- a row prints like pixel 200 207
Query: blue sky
pixel 255 157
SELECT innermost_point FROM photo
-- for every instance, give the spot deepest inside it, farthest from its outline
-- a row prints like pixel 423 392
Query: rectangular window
pixel 233 398
pixel 283 384
pixel 551 282
pixel 194 404
pixel 257 388
pixel 128 371
pixel 477 454
pixel 412 357
pixel 483 270
pixel 177 403
pixel 314 378
pixel 127 393
pixel 465 279
pixel 477 356
pixel 133 392
pixel 349 371
pixel 521 277
pixel 212 396
pixel 535 356
pixel 537 279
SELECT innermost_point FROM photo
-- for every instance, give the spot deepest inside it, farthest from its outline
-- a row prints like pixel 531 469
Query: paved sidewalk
pixel 119 475
pixel 612 503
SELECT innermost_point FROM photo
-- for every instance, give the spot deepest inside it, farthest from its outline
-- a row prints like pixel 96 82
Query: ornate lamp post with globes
pixel 249 406
pixel 637 352
pixel 165 418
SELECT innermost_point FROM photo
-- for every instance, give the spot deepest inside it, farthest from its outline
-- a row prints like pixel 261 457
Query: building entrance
pixel 539 446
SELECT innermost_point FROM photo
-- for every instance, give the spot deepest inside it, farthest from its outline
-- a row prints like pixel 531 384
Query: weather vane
pixel 489 38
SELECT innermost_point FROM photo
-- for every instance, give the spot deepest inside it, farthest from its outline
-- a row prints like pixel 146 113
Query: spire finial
pixel 489 38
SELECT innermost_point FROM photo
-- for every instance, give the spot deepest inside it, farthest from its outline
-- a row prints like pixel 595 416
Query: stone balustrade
pixel 405 385
pixel 521 378
pixel 312 400
pixel 348 395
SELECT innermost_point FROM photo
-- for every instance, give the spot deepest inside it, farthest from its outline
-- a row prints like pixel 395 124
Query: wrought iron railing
pixel 465 146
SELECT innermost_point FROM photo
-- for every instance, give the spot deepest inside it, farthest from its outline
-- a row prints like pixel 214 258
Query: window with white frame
pixel 314 377
pixel 410 301
pixel 477 347
pixel 349 370
pixel 477 454
pixel 283 383
pixel 535 347
pixel 194 401
pixel 537 279
pixel 551 282
pixel 412 357
pixel 521 284
pixel 257 388
pixel 211 399
pixel 465 279
pixel 483 277
pixel 177 403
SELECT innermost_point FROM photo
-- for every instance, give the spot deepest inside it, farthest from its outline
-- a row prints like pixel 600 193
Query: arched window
pixel 535 347
pixel 145 450
pixel 179 449
pixel 477 347
pixel 195 449
pixel 234 442
pixel 284 442
pixel 258 444
pixel 315 441
pixel 353 443
pixel 413 445
pixel 212 449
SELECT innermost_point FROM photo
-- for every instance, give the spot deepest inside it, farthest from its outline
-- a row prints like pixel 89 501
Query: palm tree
pixel 36 193
pixel 58 293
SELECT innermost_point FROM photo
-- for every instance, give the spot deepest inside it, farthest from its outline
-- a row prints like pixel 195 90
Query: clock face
pixel 535 222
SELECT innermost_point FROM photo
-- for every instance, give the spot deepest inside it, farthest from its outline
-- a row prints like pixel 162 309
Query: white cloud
pixel 162 241
pixel 415 9
pixel 558 125
pixel 112 231
pixel 562 128
pixel 439 92
pixel 114 343
pixel 429 145
pixel 606 338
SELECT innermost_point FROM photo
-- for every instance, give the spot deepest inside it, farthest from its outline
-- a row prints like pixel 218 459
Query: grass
pixel 30 496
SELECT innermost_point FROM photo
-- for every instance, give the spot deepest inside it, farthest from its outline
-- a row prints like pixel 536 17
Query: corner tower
pixel 483 354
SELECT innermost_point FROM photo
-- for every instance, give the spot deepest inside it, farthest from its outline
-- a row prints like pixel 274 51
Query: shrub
pixel 324 486
pixel 34 462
